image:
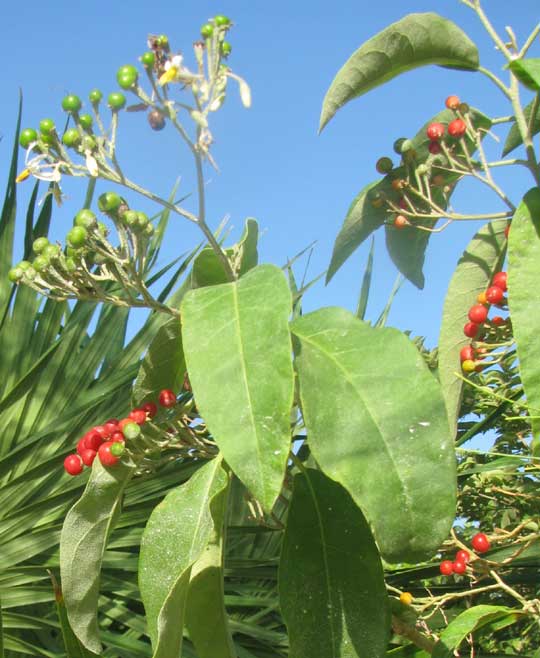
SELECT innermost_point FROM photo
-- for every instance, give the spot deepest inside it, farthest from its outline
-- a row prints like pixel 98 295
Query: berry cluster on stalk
pixel 480 543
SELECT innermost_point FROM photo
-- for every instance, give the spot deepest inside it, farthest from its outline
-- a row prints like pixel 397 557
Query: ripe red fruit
pixel 434 148
pixel 480 543
pixel 111 426
pixel 73 464
pixel 463 556
pixel 494 295
pixel 457 128
pixel 478 314
pixel 138 416
pixel 102 431
pixel 458 566
pixel 452 102
pixel 467 353
pixel 150 408
pixel 498 320
pixel 500 280
pixel 92 439
pixel 105 455
pixel 471 329
pixel 88 456
pixel 167 398
pixel 80 445
pixel 435 131
pixel 401 221
pixel 446 567
pixel 117 436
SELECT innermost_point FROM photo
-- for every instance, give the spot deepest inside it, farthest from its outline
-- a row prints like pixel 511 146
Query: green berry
pixel 207 30
pixel 127 76
pixel 46 126
pixel 77 236
pixel 51 252
pixel 398 144
pixel 163 41
pixel 149 229
pixel 86 121
pixel 39 245
pixel 148 59
pixel 71 103
pixel 40 263
pixel 48 140
pixel 27 136
pixel 131 218
pixel 88 143
pixel 71 137
pixel 226 49
pixel 422 169
pixel 109 202
pixel 85 218
pixel 116 101
pixel 142 220
pixel 117 448
pixel 131 430
pixel 15 274
pixel 222 21
pixel 71 265
pixel 24 265
pixel 95 96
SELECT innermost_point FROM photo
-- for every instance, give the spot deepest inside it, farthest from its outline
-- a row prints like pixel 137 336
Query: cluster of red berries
pixel 456 128
pixel 107 441
pixel 479 542
pixel 478 317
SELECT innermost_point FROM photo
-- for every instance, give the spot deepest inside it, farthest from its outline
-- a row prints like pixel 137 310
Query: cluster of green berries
pixel 218 26
pixel 458 565
pixel 403 187
pixel 107 442
pixel 479 323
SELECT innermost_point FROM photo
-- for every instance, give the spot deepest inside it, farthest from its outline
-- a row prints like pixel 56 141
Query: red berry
pixel 111 426
pixel 471 329
pixel 73 464
pixel 81 446
pixel 434 148
pixel 480 543
pixel 92 439
pixel 457 128
pixel 452 102
pixel 88 457
pixel 500 280
pixel 435 131
pixel 167 398
pixel 138 416
pixel 117 436
pixel 401 221
pixel 150 408
pixel 102 431
pixel 463 556
pixel 105 455
pixel 467 353
pixel 494 295
pixel 498 320
pixel 478 314
pixel 458 566
pixel 446 567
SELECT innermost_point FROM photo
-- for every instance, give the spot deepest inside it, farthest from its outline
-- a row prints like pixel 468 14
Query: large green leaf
pixel 206 592
pixel 84 536
pixel 74 648
pixel 383 433
pixel 469 621
pixel 514 139
pixel 524 296
pixel 208 269
pixel 238 352
pixel 483 257
pixel 415 40
pixel 175 537
pixel 331 583
pixel 527 71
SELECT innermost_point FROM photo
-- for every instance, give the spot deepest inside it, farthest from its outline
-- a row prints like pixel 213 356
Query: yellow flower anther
pixel 25 173
pixel 169 75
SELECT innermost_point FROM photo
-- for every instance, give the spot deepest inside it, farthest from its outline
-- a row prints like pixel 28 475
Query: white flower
pixel 91 164
pixel 176 72
pixel 42 167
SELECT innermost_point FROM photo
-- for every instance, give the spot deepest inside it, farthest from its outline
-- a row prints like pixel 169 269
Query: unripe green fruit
pixel 149 229
pixel 24 265
pixel 85 218
pixel 206 31
pixel 163 41
pixel 77 236
pixel 384 165
pixel 226 49
pixel 142 220
pixel 398 144
pixel 131 430
pixel 109 202
pixel 222 21
pixel 47 139
pixel 51 252
pixel 86 121
pixel 46 126
pixel 117 448
pixel 40 263
pixel 71 137
pixel 27 136
pixel 148 59
pixel 71 103
pixel 39 245
pixel 95 96
pixel 116 101
pixel 88 143
pixel 422 170
pixel 15 274
pixel 130 218
pixel 71 265
pixel 127 76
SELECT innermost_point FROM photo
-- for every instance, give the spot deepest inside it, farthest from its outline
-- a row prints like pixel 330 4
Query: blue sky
pixel 273 164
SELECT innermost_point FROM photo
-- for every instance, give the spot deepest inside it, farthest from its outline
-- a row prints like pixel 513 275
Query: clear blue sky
pixel 274 166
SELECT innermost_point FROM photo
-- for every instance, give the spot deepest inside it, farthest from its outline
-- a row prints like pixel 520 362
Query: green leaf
pixel 527 71
pixel 366 284
pixel 483 257
pixel 331 583
pixel 208 269
pixel 163 366
pixel 84 536
pixel 467 622
pixel 238 352
pixel 383 434
pixel 175 537
pixel 514 138
pixel 205 599
pixel 415 40
pixel 524 295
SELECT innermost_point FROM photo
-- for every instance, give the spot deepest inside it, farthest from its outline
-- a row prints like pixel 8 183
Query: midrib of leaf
pixel 361 398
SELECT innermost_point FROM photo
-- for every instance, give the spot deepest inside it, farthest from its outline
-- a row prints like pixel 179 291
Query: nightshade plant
pixel 347 448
